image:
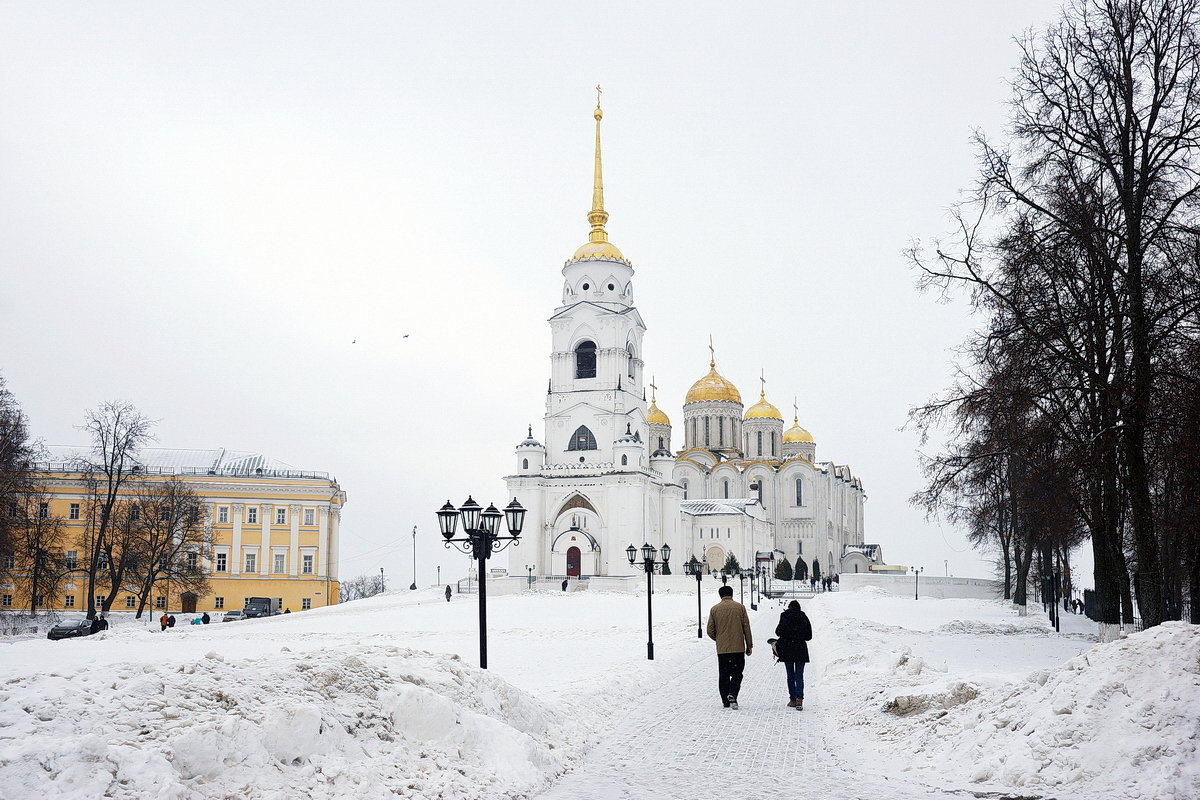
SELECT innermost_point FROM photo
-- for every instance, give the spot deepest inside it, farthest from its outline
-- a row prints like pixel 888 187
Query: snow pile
pixel 343 723
pixel 1111 712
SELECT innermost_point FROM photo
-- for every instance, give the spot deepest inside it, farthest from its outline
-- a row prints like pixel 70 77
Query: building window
pixel 251 562
pixel 222 514
pixel 280 562
pixel 281 515
pixel 685 484
pixel 160 602
pixel 37 601
pixel 799 492
pixel 72 559
pixel 660 444
pixel 726 489
pixel 9 561
pixel 130 601
pixel 624 461
pixel 758 437
pixel 772 444
pixel 43 510
pixel 252 514
pixel 99 601
pixel 222 562
pixel 164 514
pixel 13 511
pixel 310 515
pixel 135 513
pixel 73 513
pixel 193 561
pixel 218 603
pixel 306 604
pixel 706 438
pixel 629 350
pixel 6 600
pixel 307 562
pixel 585 360
pixel 582 439
pixel 68 601
pixel 525 463
pixel 720 431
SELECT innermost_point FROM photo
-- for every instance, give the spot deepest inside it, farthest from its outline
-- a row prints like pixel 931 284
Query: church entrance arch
pixel 714 557
pixel 573 562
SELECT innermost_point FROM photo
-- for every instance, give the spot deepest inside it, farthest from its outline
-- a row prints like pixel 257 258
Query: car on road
pixel 233 615
pixel 70 628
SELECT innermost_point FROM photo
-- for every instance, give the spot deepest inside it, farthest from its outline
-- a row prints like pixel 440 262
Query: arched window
pixel 582 439
pixel 624 461
pixel 726 490
pixel 706 436
pixel 629 350
pixel 684 482
pixel 759 437
pixel 585 359
pixel 525 463
pixel 660 443
pixel 720 431
pixel 799 492
pixel 772 444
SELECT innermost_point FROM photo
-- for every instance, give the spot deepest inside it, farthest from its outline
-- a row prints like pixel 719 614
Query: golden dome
pixel 796 433
pixel 606 250
pixel 713 387
pixel 655 416
pixel 763 410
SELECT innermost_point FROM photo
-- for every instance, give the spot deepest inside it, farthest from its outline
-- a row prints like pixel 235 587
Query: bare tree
pixel 16 456
pixel 171 540
pixel 37 540
pixel 361 587
pixel 118 431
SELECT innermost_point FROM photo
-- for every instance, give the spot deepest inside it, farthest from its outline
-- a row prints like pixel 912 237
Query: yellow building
pixel 274 530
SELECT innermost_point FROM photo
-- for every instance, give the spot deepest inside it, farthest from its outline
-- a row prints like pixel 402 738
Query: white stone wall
pixel 930 585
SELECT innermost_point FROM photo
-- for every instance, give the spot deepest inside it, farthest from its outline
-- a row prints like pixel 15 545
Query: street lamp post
pixel 382 588
pixel 414 583
pixel 480 538
pixel 741 575
pixel 439 583
pixel 529 569
pixel 648 564
pixel 696 568
pixel 752 574
pixel 917 586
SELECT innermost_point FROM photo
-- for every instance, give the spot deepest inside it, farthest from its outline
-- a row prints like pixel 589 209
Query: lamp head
pixel 447 520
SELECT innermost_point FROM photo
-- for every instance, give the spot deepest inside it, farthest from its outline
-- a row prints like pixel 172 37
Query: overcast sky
pixel 232 215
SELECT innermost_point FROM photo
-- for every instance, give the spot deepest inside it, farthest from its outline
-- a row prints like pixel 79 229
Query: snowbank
pixel 358 722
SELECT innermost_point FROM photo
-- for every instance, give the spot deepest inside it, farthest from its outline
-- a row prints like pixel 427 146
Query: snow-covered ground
pixel 383 698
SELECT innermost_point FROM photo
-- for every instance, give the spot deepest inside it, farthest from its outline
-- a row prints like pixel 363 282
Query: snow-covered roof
pixel 179 461
pixel 698 508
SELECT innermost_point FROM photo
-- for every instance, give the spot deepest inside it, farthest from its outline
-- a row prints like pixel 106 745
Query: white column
pixel 264 554
pixel 323 542
pixel 294 544
pixel 334 533
pixel 235 568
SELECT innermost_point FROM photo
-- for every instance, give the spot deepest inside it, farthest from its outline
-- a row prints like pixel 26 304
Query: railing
pixel 74 468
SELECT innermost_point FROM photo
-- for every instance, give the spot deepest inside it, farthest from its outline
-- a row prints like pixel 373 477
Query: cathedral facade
pixel 606 475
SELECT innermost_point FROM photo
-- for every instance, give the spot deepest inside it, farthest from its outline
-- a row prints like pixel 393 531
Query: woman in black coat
pixel 794 631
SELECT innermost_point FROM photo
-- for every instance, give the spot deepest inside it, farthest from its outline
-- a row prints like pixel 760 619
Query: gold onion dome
pixel 655 416
pixel 598 245
pixel 763 410
pixel 713 387
pixel 796 433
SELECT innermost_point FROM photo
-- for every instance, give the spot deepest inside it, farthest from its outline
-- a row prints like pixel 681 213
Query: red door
pixel 573 560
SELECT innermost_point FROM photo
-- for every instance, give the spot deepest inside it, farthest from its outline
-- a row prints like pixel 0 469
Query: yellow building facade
pixel 273 531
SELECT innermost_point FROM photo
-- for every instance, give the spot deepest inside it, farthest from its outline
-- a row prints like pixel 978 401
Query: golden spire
pixel 598 245
pixel 598 216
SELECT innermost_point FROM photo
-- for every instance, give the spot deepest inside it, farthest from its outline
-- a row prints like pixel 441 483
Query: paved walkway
pixel 681 743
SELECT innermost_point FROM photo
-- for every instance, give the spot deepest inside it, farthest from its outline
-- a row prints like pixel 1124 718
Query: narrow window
pixel 624 461
pixel 251 562
pixel 223 514
pixel 772 444
pixel 252 514
pixel 280 515
pixel 222 562
pixel 582 439
pixel 632 371
pixel 13 511
pixel 759 438
pixel 307 561
pixel 160 602
pixel 72 559
pixel 6 600
pixel 799 492
pixel 706 437
pixel 310 515
pixel 660 444
pixel 74 512
pixel 43 510
pixel 69 601
pixel 524 463
pixel 685 484
pixel 585 360
pixel 130 601
pixel 164 514
pixel 193 561
pixel 726 490
pixel 720 431
pixel 135 512
pixel 279 562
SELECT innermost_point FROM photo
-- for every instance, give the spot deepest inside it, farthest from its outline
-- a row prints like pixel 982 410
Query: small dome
pixel 529 440
pixel 763 410
pixel 797 434
pixel 662 452
pixel 602 250
pixel 655 416
pixel 713 387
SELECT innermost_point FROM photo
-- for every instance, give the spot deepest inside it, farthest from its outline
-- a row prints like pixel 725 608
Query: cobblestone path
pixel 682 743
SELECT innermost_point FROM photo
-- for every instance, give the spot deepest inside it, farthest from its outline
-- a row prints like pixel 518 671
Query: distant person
pixel 794 631
pixel 564 584
pixel 197 621
pixel 287 610
pixel 163 621
pixel 171 621
pixel 448 593
pixel 729 627
pixel 205 619
pixel 95 627
pixel 813 582
pixel 103 622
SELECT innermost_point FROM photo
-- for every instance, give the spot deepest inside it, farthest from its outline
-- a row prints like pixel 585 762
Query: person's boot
pixel 800 704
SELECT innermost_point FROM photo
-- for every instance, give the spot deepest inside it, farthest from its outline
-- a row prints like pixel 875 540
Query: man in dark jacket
pixel 794 632
pixel 729 626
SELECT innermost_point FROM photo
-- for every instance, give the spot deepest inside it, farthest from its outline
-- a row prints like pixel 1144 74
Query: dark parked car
pixel 68 629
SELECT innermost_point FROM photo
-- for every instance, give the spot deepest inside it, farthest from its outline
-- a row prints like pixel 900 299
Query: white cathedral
pixel 607 476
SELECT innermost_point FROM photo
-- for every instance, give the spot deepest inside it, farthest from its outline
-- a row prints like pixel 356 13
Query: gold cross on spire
pixel 598 90
pixel 796 408
pixel 762 379
pixel 653 388
pixel 712 354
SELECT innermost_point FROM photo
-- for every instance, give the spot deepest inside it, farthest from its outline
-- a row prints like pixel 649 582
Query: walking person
pixel 729 627
pixel 163 621
pixel 448 593
pixel 794 631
